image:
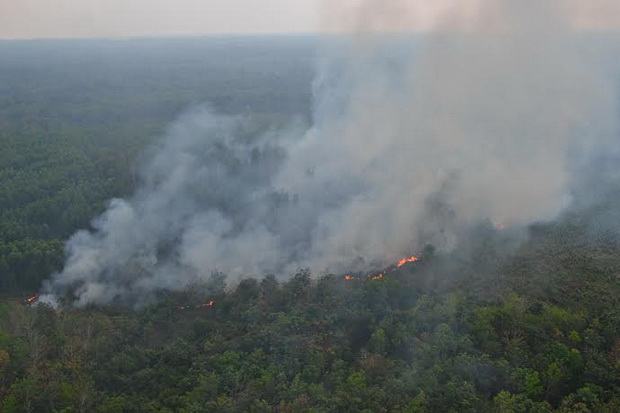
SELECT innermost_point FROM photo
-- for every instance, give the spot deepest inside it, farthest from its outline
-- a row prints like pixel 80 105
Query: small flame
pixel 406 261
pixel 208 304
pixel 400 263
pixel 384 273
pixel 379 276
pixel 33 298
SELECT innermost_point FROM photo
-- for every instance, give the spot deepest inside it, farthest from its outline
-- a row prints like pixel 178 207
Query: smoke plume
pixel 417 135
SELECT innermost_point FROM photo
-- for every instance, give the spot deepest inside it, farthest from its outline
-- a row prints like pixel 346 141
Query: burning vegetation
pixel 378 277
pixel 404 261
pixel 208 304
pixel 381 275
pixel 33 299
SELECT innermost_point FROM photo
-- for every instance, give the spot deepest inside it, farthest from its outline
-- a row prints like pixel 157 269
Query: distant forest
pixel 536 329
pixel 75 115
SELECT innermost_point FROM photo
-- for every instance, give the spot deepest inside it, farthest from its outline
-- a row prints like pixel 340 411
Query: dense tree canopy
pixel 405 342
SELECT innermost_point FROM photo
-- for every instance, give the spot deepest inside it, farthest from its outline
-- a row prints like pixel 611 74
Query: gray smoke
pixel 416 137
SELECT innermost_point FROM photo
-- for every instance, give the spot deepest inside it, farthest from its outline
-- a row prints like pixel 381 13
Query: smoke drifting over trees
pixel 416 137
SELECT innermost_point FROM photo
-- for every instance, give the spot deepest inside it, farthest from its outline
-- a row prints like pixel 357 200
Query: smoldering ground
pixel 417 138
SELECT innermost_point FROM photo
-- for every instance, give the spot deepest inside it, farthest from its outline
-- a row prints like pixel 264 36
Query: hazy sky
pixel 121 18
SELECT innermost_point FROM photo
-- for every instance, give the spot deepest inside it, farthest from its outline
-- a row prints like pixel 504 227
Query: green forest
pixel 534 328
pixel 540 334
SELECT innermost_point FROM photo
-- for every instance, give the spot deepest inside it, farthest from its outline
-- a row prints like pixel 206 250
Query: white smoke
pixel 415 137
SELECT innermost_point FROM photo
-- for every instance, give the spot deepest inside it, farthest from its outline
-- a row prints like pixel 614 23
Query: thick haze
pixel 488 117
pixel 123 18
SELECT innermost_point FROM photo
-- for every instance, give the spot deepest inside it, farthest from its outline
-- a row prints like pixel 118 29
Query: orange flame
pixel 396 266
pixel 349 278
pixel 406 261
pixel 33 298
